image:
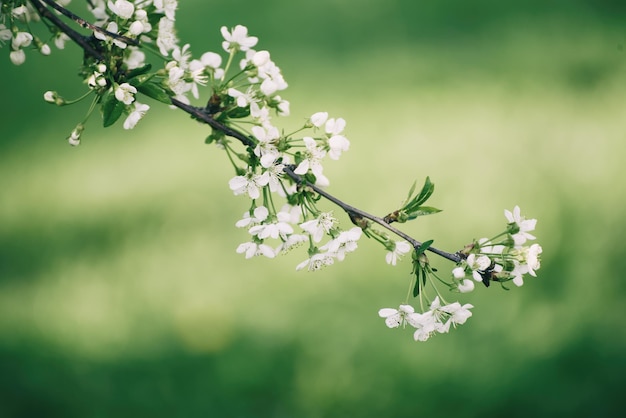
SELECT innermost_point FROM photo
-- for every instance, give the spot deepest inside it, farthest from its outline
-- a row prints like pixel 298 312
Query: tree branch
pixel 71 33
pixel 83 23
pixel 203 115
pixel 353 212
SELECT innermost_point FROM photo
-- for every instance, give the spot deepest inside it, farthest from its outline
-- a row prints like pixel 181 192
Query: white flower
pixel 458 314
pixel 246 184
pixel 261 114
pixel 400 249
pixel 396 317
pixel 337 144
pixel 135 59
pixel 20 11
pixel 211 60
pixel 166 6
pixel 478 264
pixel 335 126
pixel 98 9
pixel 125 93
pixel 312 158
pixel 21 40
pixel 458 272
pixel 45 49
pixel 258 215
pixel 280 228
pixel 243 99
pixel 266 148
pixel 283 107
pixel 320 226
pixel 181 55
pixel 271 177
pixel 518 273
pixel 113 28
pixel 141 16
pixel 60 39
pixel 252 249
pixel 316 262
pixel 135 116
pixel 345 243
pixel 466 285
pixel 319 118
pixel 166 39
pixel 292 241
pixel 519 222
pixel 426 324
pixel 532 258
pixel 238 39
pixel 122 8
pixel 198 76
pixel 5 33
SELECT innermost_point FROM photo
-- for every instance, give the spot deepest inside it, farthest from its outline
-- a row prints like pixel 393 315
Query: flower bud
pixel 17 57
pixel 136 28
pixel 74 138
pixel 45 49
pixel 211 59
pixel 466 286
pixel 53 97
pixel 261 58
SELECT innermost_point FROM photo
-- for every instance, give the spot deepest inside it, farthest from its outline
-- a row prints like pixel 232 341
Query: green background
pixel 121 293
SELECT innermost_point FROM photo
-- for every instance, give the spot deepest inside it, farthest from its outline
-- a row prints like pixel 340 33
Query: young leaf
pixel 425 193
pixel 155 91
pixel 138 71
pixel 422 211
pixel 416 288
pixel 423 247
pixel 111 109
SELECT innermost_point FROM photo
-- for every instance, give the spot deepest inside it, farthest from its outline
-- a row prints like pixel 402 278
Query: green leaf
pixel 424 246
pixel 422 211
pixel 416 288
pixel 239 112
pixel 111 108
pixel 138 71
pixel 425 193
pixel 155 91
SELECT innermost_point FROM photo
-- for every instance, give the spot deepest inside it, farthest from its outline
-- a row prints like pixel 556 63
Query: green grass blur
pixel 121 293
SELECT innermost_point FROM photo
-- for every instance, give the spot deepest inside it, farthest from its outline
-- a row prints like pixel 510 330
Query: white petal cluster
pixel 237 39
pixel 509 260
pixel 437 319
pixel 400 248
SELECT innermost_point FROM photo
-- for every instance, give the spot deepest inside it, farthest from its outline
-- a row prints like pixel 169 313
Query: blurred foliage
pixel 121 293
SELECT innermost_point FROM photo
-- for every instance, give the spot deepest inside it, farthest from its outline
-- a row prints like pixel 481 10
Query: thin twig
pixel 83 23
pixel 71 33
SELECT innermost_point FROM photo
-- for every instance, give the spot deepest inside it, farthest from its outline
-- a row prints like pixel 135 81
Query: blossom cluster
pixel 506 257
pixel 14 23
pixel 437 319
